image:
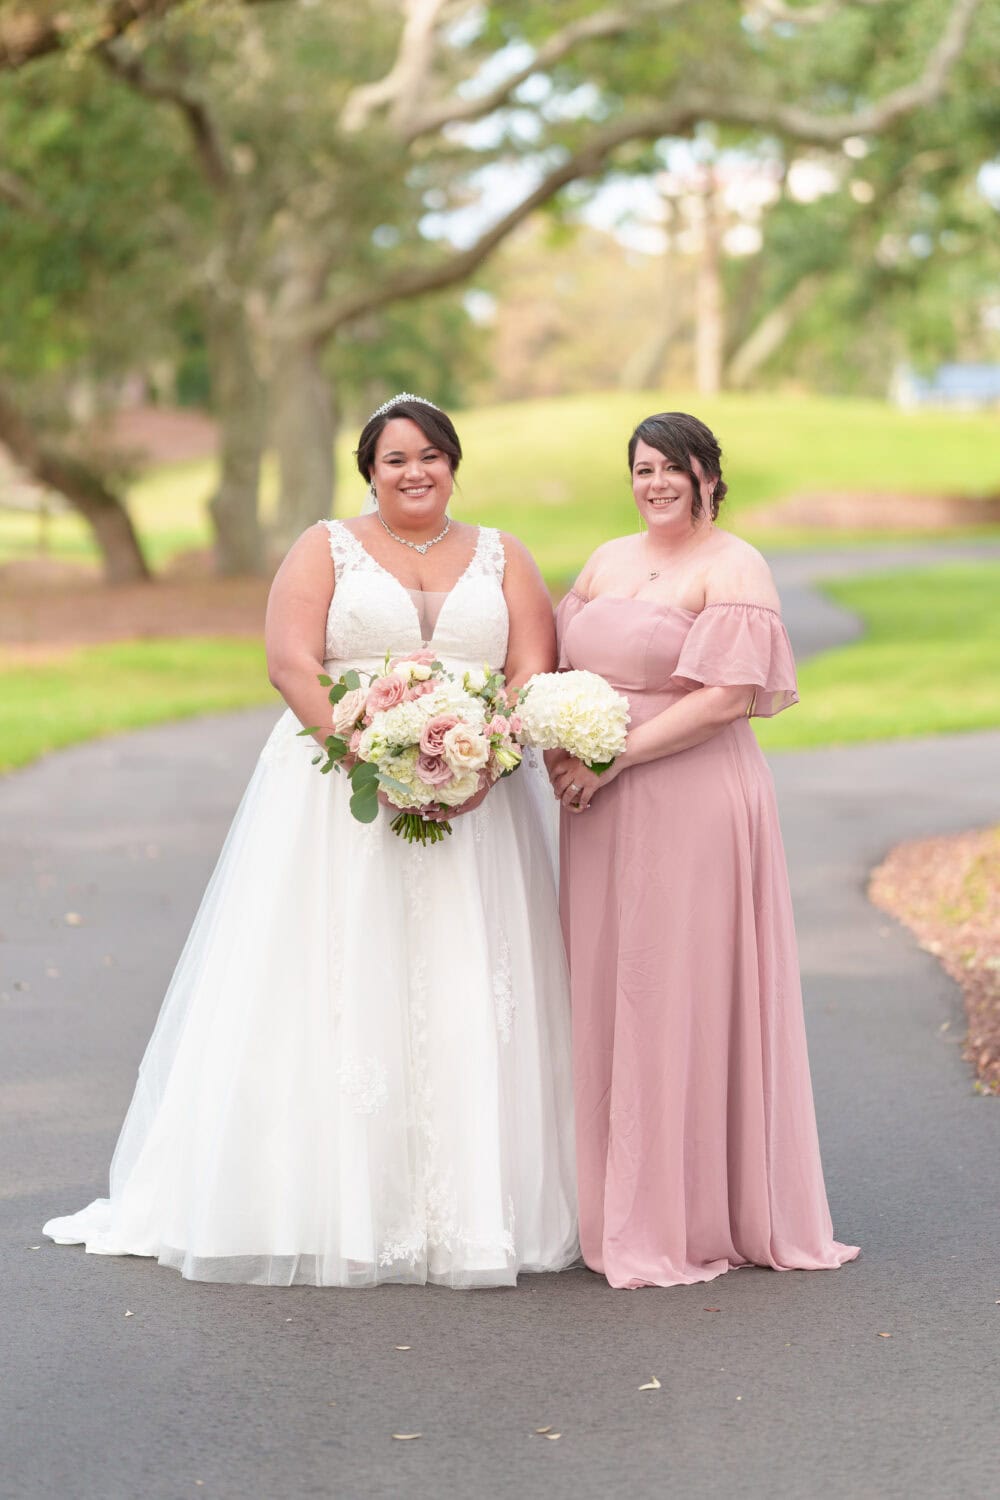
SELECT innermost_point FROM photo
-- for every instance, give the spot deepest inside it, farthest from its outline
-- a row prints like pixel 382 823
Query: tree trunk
pixel 104 511
pixel 770 333
pixel 303 433
pixel 710 322
pixel 301 408
pixel 238 397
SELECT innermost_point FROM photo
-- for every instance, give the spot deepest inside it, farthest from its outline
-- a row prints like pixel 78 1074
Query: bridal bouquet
pixel 574 711
pixel 423 737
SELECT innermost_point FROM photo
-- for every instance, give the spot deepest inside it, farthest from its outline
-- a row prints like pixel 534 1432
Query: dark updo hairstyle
pixel 682 438
pixel 435 425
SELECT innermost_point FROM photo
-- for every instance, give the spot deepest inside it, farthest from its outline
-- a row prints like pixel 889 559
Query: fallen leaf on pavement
pixel 129 1314
pixel 402 1346
pixel 711 1309
pixel 885 1335
pixel 651 1385
pixel 543 1430
pixel 406 1437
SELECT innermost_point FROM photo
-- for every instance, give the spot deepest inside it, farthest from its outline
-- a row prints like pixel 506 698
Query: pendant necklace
pixel 420 547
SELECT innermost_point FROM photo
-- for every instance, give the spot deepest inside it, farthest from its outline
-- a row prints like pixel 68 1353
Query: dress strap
pixel 490 557
pixel 347 552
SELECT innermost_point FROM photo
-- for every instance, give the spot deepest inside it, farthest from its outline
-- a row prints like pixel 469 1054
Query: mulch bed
pixel 47 608
pixel 947 891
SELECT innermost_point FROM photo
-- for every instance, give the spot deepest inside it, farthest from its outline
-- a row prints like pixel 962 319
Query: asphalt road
pixel 770 1385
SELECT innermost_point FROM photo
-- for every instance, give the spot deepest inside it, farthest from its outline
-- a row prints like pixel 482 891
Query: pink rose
pixel 433 770
pixel 425 656
pixel 418 689
pixel 432 739
pixel 385 692
pixel 497 725
pixel 354 742
pixel 515 723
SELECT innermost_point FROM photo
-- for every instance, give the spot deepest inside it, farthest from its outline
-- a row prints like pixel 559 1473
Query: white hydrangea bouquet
pixel 574 711
pixel 424 738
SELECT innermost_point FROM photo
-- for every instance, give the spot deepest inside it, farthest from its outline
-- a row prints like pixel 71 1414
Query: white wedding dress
pixel 361 1070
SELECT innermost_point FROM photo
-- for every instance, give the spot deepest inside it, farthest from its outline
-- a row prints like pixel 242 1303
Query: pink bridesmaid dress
pixel 696 1134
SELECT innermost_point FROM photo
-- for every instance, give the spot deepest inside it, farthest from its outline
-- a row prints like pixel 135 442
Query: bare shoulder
pixel 609 554
pixel 519 562
pixel 514 548
pixel 737 573
pixel 309 556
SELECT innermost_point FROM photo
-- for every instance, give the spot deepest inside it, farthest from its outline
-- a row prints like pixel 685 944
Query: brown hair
pixel 436 426
pixel 682 438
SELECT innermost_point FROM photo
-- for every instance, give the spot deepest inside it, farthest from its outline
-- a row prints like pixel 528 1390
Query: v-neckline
pixel 381 568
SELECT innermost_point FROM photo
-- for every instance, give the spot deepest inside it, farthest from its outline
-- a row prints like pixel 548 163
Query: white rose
pixel 459 790
pixel 465 750
pixel 475 680
pixel 348 710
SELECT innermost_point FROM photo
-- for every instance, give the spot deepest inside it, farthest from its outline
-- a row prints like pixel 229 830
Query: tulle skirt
pixel 361 1070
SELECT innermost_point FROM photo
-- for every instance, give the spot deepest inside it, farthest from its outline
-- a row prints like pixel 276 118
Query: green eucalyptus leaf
pixel 313 729
pixel 364 774
pixel 364 806
pixel 392 784
pixel 351 680
pixel 338 691
pixel 324 680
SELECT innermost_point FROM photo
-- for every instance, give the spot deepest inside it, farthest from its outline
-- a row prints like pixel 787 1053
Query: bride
pixel 361 1070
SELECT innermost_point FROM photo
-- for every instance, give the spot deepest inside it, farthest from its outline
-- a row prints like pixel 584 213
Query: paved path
pixel 785 1391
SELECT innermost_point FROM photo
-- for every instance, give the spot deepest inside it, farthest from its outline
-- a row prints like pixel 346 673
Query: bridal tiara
pixel 395 400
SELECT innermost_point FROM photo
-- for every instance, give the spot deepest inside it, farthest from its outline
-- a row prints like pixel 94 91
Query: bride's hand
pixel 448 813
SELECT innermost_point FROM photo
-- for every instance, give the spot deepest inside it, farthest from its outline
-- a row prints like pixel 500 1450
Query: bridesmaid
pixel 696 1135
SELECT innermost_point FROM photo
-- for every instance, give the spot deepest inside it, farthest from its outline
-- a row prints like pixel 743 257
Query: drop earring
pixel 373 492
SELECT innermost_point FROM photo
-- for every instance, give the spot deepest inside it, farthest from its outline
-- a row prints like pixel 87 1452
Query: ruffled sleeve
pixel 741 645
pixel 567 610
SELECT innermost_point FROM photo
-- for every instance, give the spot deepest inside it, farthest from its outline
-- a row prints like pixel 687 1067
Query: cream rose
pixel 464 749
pixel 348 710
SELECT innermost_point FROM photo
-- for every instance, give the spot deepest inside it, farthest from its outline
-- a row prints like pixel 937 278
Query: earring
pixel 373 492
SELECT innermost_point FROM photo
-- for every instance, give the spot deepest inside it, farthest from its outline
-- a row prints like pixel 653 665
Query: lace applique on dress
pixel 365 1082
pixel 503 991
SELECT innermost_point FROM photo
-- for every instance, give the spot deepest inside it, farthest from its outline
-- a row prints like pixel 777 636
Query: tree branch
pixel 806 15
pixel 209 149
pixel 408 74
pixel 83 487
pixel 28 32
pixel 675 120
pixel 602 25
pixel 826 130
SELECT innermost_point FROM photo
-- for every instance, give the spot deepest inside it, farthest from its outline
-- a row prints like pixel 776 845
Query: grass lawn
pixel 929 662
pixel 105 689
pixel 554 472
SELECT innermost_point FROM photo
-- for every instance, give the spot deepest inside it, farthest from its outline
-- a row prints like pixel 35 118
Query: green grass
pixel 928 665
pixel 102 690
pixel 929 662
pixel 554 472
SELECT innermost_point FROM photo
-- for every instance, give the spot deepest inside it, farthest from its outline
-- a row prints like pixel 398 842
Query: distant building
pixel 962 387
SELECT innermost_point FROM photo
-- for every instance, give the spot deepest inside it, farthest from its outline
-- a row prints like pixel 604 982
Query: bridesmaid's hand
pixel 556 760
pixel 575 784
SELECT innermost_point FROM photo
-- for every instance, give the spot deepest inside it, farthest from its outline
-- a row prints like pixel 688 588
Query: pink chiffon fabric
pixel 697 1149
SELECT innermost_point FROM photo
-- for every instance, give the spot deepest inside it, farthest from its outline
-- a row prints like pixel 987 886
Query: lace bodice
pixel 371 612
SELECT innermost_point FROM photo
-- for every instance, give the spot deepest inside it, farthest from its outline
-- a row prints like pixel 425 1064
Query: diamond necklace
pixel 420 547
